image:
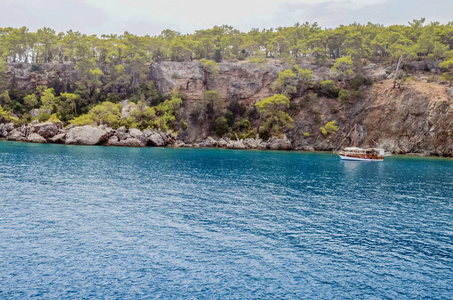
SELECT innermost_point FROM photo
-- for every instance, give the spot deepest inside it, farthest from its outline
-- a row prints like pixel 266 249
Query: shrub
pixel 230 117
pixel 333 109
pixel 306 134
pixel 250 134
pixel 53 118
pixel 264 135
pixel 210 66
pixel 43 117
pixel 317 114
pixel 221 126
pixel 183 124
pixel 35 68
pixel 326 88
pixel 344 96
pixel 6 115
pixel 358 94
pixel 330 128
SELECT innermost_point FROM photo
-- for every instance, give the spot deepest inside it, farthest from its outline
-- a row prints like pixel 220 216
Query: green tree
pixel 275 120
pixel 30 101
pixel 49 100
pixel 343 67
pixel 448 74
pixel 221 126
pixel 286 83
pixel 329 128
pixel 304 79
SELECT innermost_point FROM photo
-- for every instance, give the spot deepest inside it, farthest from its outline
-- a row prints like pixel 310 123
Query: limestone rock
pixel 16 135
pixel 156 140
pixel 130 142
pixel 209 142
pixel 86 135
pixel 36 138
pixel 46 130
pixel 58 139
pixel 223 142
pixel 37 111
pixel 137 134
pixel 236 145
pixel 279 144
pixel 127 109
pixel 122 129
pixel 450 91
pixel 5 129
pixel 113 140
pixel 179 143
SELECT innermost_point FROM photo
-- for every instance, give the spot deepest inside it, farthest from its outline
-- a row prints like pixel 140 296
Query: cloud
pixel 331 13
pixel 152 16
pixel 56 14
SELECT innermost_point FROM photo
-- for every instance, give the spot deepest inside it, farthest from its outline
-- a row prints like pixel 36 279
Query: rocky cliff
pixel 416 118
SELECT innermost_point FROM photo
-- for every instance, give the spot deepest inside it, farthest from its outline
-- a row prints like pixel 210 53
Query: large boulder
pixel 209 142
pixel 16 135
pixel 279 144
pixel 58 139
pixel 36 138
pixel 236 145
pixel 46 130
pixel 137 134
pixel 5 129
pixel 223 142
pixel 156 140
pixel 254 143
pixel 130 142
pixel 85 135
pixel 112 141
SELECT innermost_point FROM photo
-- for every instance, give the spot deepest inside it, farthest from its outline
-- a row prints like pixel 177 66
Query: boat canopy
pixel 353 149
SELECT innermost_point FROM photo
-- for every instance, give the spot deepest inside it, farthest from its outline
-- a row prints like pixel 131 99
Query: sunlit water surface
pixel 106 222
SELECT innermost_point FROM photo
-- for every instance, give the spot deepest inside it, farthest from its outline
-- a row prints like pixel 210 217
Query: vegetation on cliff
pixel 113 68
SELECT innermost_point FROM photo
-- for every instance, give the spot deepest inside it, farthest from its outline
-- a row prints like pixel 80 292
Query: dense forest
pixel 112 68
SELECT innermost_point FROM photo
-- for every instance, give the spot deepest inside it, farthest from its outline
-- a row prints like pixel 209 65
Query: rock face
pixel 235 80
pixel 16 135
pixel 5 128
pixel 279 144
pixel 58 139
pixel 85 135
pixel 36 138
pixel 46 130
pixel 138 135
pixel 156 139
pixel 416 118
pixel 130 142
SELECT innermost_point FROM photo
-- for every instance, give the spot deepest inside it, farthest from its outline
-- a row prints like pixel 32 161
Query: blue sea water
pixel 127 223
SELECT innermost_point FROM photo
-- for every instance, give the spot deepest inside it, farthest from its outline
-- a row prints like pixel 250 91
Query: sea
pixel 92 222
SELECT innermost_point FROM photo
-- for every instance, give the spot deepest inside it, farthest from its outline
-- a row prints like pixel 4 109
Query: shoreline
pixel 87 135
pixel 189 146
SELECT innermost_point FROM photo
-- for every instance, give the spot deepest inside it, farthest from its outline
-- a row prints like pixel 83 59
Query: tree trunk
pixel 400 60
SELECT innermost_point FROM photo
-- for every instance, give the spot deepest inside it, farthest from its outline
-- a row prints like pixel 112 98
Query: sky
pixel 150 17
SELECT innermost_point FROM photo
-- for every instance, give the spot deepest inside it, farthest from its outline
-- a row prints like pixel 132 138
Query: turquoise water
pixel 106 222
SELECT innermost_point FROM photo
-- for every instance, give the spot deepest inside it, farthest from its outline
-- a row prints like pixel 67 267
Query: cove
pixel 108 222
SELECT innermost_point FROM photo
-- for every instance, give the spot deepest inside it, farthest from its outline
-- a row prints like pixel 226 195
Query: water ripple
pixel 98 222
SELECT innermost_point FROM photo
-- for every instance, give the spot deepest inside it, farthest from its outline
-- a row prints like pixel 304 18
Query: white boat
pixel 359 154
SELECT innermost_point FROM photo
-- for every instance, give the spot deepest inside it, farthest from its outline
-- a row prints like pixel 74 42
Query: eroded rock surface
pixel 85 135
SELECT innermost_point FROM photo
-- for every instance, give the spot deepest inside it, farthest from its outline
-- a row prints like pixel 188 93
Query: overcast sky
pixel 150 17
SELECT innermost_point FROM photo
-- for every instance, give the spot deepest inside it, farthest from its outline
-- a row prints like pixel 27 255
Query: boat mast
pixel 355 133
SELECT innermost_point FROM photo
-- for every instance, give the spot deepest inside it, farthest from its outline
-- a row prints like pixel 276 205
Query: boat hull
pixel 351 158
